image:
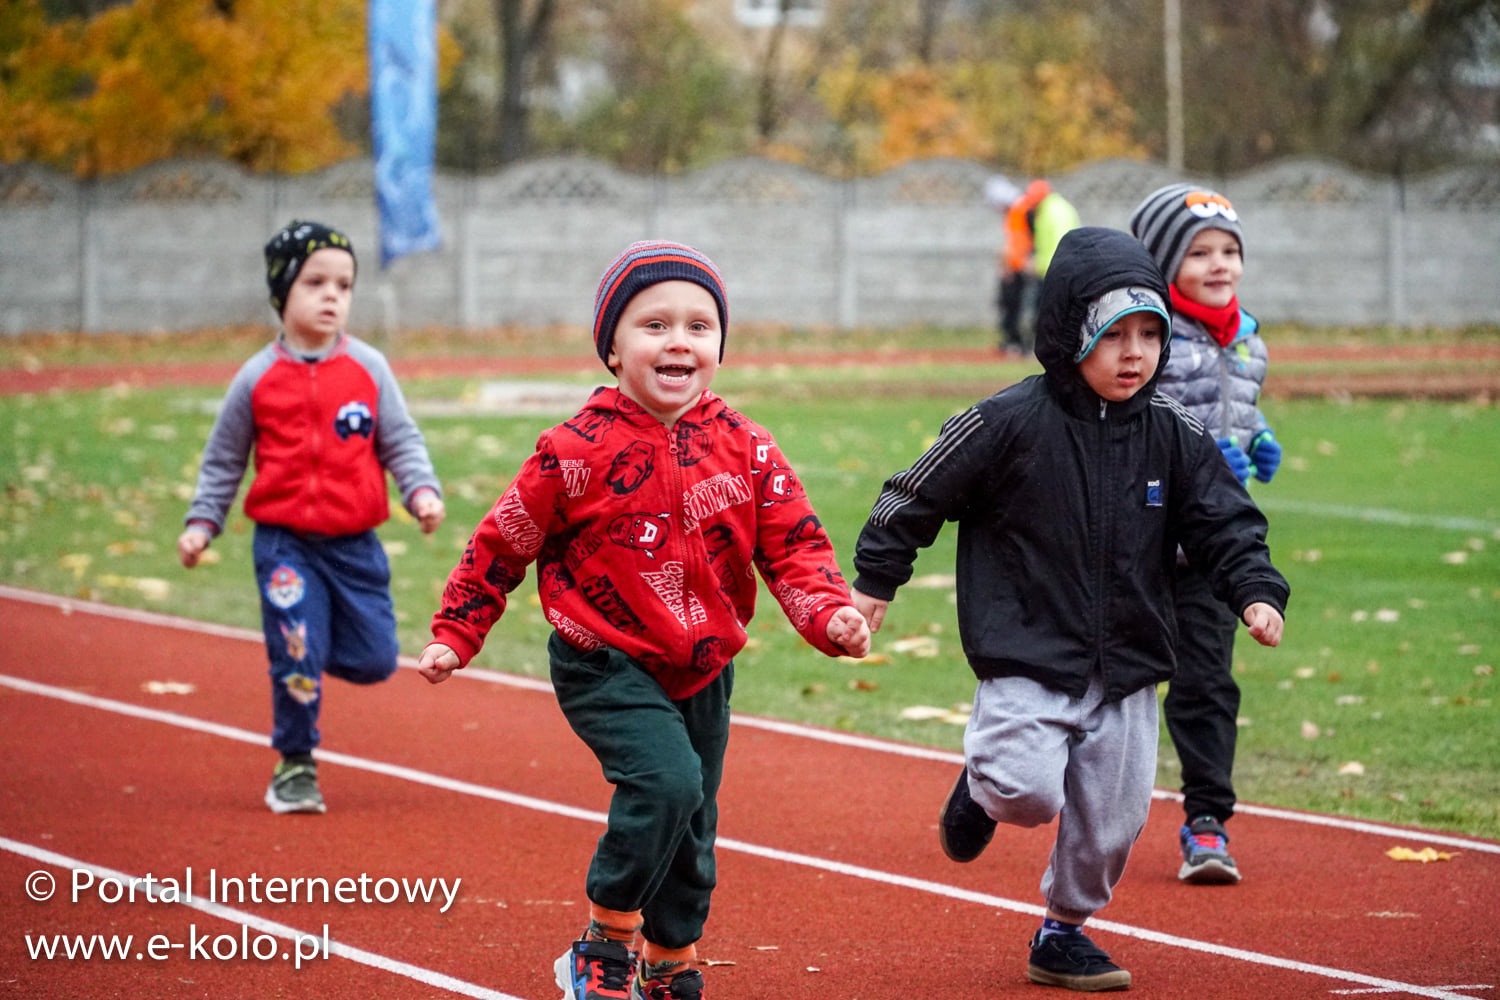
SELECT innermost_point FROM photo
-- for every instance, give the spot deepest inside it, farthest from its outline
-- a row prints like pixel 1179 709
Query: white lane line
pixel 425 976
pixel 70 605
pixel 726 843
pixel 1377 515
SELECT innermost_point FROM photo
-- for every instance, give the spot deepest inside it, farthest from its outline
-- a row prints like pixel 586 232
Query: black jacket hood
pixel 1089 262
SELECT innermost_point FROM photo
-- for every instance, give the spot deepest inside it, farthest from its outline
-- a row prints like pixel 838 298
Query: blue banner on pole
pixel 403 113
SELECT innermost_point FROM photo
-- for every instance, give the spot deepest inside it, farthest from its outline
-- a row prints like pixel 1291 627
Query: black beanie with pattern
pixel 286 251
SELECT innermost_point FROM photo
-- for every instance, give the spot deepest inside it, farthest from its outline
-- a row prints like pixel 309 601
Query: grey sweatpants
pixel 1034 754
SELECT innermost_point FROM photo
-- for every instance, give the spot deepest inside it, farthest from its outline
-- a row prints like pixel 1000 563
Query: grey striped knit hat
pixel 642 265
pixel 1170 217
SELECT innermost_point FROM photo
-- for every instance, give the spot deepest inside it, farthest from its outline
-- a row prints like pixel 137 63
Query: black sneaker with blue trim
pixel 1205 854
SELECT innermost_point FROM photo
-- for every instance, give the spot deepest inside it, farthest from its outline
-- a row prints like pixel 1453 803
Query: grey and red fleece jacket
pixel 645 537
pixel 323 433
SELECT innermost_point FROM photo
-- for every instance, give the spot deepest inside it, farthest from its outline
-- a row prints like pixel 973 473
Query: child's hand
pixel 437 662
pixel 1265 454
pixel 429 511
pixel 849 631
pixel 1265 623
pixel 190 546
pixel 1239 462
pixel 873 608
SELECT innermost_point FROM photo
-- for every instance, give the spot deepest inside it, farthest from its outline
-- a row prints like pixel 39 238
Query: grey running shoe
pixel 294 786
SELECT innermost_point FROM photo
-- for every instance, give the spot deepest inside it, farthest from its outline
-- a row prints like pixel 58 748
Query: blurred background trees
pixel 845 87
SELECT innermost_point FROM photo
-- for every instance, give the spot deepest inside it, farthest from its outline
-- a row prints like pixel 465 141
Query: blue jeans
pixel 325 605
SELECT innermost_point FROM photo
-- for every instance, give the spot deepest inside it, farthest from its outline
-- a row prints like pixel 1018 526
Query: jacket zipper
pixel 1100 548
pixel 314 485
pixel 682 547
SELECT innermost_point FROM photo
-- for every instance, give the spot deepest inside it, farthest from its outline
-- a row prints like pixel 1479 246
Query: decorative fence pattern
pixel 178 245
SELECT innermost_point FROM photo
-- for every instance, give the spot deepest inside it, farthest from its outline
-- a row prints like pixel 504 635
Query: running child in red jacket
pixel 325 419
pixel 645 514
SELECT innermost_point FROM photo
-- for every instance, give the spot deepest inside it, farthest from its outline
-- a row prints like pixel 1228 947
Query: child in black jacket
pixel 1072 491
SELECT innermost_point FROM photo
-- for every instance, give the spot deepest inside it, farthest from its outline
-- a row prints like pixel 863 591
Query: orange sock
pixel 664 963
pixel 612 925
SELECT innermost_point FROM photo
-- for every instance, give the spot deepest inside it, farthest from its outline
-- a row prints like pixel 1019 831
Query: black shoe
pixel 964 829
pixel 1073 962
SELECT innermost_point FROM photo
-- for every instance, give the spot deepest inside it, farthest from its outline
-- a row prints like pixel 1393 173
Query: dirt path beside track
pixel 1439 371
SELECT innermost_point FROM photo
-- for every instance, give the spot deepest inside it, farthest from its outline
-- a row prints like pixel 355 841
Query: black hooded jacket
pixel 1070 509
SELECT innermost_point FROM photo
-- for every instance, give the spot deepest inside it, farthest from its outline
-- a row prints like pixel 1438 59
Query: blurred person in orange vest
pixel 1035 221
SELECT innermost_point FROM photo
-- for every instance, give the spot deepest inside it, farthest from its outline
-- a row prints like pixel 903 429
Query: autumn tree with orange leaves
pixel 251 81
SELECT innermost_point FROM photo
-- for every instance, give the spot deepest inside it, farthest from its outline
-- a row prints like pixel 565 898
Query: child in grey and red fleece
pixel 1072 491
pixel 647 515
pixel 325 419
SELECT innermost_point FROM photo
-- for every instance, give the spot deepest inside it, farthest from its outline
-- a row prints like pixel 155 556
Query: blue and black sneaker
pixel 595 970
pixel 1205 854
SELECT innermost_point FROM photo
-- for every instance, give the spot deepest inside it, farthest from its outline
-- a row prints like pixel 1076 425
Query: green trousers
pixel 665 759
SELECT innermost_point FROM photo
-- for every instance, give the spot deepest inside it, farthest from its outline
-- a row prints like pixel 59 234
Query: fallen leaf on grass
pixel 861 685
pixel 1353 767
pixel 1425 855
pixel 1310 730
pixel 958 715
pixel 919 646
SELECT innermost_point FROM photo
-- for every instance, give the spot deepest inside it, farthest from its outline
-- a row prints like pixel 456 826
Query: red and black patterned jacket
pixel 645 538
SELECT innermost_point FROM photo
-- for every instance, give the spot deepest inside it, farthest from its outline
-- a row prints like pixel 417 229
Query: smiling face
pixel 666 348
pixel 1210 270
pixel 1125 357
pixel 317 304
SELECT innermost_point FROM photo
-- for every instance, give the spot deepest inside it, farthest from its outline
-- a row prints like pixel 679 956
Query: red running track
pixel 831 881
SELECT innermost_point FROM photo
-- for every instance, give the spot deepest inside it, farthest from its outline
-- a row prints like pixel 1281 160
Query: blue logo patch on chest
pixel 354 418
pixel 1153 493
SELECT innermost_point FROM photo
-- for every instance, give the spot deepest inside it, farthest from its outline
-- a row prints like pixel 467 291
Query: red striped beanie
pixel 645 264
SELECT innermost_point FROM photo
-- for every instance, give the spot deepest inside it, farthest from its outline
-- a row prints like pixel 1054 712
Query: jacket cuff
pixel 874 588
pixel 1274 596
pixel 456 640
pixel 817 631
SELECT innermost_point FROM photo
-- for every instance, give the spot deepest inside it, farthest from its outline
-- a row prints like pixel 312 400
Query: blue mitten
pixel 1265 456
pixel 1239 462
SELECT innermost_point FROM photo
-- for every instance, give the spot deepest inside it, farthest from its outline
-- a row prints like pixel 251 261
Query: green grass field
pixel 1385 517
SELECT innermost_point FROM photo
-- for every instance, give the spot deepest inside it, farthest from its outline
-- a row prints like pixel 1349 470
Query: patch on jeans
pixel 302 689
pixel 296 640
pixel 286 587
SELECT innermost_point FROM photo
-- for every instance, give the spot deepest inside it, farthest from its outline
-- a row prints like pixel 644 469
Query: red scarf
pixel 1222 324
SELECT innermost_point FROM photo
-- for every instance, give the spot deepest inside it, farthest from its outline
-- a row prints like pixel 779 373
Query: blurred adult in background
pixel 1035 220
